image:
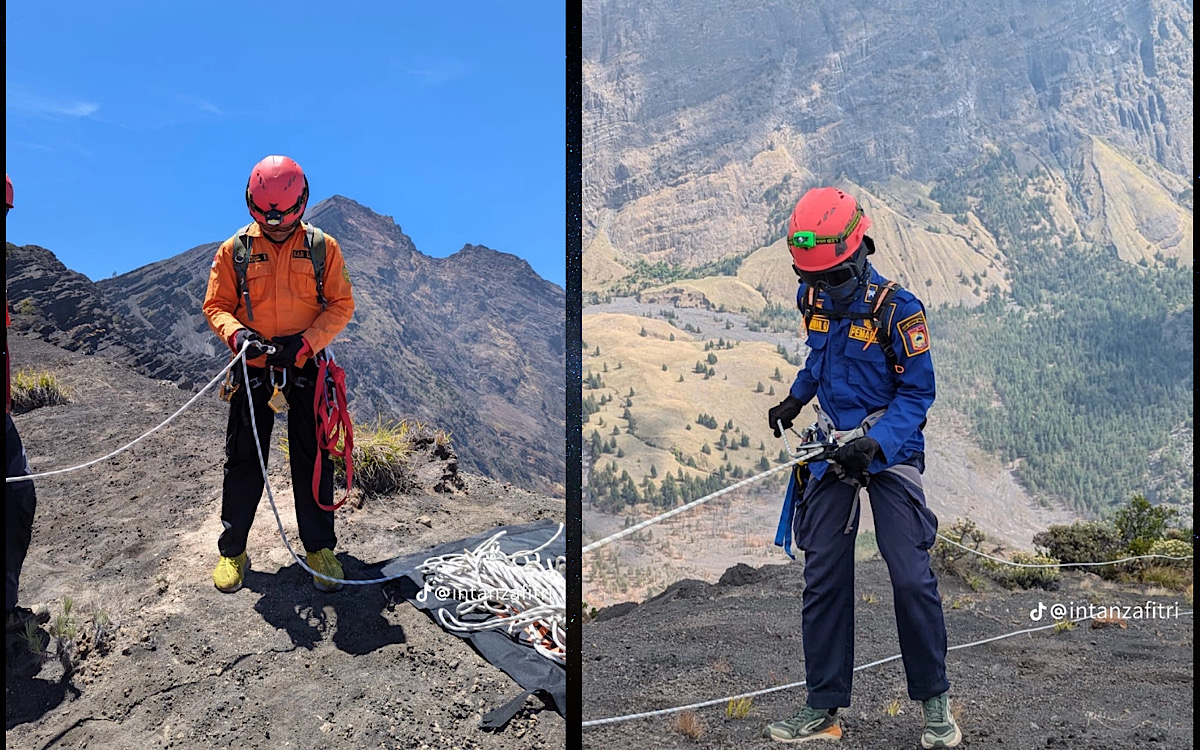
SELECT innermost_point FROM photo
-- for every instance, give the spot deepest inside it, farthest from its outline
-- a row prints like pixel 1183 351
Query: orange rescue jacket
pixel 283 292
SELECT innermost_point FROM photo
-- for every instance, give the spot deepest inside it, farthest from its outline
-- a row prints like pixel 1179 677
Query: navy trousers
pixel 905 529
pixel 20 502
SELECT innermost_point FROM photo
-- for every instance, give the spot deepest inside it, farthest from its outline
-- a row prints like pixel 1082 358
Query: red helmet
pixel 277 192
pixel 826 227
pixel 7 191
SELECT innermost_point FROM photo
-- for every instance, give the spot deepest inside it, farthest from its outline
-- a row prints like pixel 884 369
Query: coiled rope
pixel 802 683
pixel 519 592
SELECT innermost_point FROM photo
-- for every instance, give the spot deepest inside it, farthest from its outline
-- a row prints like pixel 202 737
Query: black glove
pixel 856 455
pixel 786 410
pixel 258 345
pixel 287 348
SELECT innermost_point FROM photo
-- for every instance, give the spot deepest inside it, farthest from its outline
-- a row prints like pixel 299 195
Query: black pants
pixel 243 485
pixel 20 502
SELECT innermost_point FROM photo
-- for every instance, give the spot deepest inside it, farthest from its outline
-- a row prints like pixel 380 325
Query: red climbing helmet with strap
pixel 277 192
pixel 825 229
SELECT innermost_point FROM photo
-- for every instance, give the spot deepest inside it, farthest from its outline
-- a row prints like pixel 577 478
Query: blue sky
pixel 132 126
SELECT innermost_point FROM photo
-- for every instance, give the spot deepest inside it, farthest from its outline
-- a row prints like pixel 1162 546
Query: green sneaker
pixel 323 561
pixel 810 724
pixel 940 727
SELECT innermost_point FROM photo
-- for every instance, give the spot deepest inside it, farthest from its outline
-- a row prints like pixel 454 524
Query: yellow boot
pixel 230 573
pixel 324 562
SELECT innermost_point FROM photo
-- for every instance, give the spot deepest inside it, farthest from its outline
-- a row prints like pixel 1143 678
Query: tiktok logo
pixel 1036 614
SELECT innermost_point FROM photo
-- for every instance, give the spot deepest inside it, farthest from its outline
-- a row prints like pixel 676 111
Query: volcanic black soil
pixel 1080 689
pixel 275 665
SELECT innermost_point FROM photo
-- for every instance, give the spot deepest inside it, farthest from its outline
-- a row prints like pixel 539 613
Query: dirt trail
pixel 276 665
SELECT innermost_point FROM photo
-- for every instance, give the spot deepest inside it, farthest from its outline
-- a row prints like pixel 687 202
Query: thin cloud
pixel 200 103
pixel 431 72
pixel 19 99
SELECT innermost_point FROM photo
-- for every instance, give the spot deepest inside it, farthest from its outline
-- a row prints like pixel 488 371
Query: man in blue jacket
pixel 870 368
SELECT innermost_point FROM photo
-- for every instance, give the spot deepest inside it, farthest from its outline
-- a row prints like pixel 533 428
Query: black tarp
pixel 533 672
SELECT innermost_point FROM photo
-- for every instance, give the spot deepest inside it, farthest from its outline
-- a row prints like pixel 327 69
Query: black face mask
pixel 841 281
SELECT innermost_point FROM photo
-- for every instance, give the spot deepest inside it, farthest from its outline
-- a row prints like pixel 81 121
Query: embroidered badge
pixel 260 258
pixel 862 333
pixel 872 290
pixel 915 334
pixel 818 324
pixel 346 274
pixel 301 254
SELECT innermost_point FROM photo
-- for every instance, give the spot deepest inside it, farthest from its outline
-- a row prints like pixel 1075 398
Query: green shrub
pixel 1092 541
pixel 1172 548
pixel 32 389
pixel 1141 524
pixel 1025 578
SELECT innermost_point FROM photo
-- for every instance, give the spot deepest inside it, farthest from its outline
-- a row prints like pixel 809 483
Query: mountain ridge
pixel 480 353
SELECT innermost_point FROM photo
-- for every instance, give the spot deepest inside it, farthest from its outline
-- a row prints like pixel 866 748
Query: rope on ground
pixel 127 446
pixel 520 593
pixel 801 683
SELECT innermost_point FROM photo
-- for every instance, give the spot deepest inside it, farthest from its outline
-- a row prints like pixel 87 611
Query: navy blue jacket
pixel 848 372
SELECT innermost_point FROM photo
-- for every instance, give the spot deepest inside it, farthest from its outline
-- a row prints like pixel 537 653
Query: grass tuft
pixel 32 389
pixel 689 725
pixel 893 708
pixel 738 708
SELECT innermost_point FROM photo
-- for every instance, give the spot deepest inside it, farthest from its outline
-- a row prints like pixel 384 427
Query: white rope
pixel 662 517
pixel 519 593
pixel 1057 565
pixel 806 456
pixel 134 442
pixel 801 683
pixel 262 464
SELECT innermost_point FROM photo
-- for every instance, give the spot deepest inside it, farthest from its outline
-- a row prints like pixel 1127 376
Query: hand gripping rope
pixel 333 424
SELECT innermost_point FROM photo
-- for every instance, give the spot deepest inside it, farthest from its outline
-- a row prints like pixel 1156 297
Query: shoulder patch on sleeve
pixel 915 333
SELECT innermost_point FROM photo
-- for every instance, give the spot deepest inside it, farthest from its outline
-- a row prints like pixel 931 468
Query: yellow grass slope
pixel 1134 207
pixel 665 409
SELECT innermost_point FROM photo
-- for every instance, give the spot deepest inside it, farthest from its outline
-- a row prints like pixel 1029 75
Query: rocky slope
pixel 160 659
pixel 472 342
pixel 700 133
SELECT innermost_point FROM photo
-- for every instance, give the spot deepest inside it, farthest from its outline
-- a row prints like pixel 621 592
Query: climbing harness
pixel 334 426
pixel 519 593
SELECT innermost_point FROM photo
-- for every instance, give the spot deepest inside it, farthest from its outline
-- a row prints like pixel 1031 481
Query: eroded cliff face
pixel 703 123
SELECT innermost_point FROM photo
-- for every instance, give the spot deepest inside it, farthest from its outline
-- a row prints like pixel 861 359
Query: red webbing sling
pixel 333 425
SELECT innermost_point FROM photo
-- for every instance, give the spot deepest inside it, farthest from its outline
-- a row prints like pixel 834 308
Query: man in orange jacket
pixel 264 289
